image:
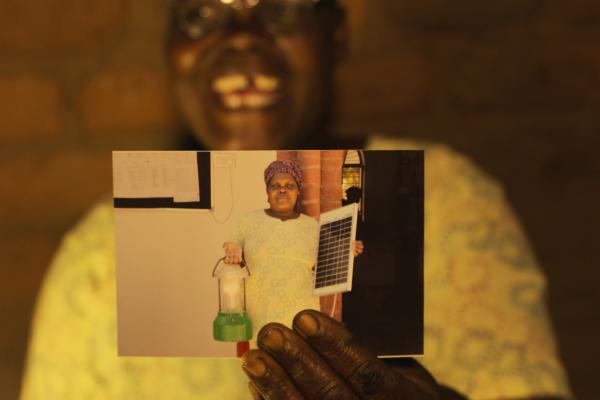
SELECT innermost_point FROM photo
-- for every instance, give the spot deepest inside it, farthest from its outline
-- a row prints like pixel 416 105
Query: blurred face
pixel 282 193
pixel 253 74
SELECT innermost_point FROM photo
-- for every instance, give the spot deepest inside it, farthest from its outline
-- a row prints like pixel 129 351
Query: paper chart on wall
pixel 150 174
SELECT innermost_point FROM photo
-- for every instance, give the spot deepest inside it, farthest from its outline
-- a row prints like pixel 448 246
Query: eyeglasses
pixel 199 18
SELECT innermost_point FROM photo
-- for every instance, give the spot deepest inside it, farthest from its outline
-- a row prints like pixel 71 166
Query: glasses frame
pixel 231 7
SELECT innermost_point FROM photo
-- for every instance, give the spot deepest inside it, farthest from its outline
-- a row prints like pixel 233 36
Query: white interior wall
pixel 166 296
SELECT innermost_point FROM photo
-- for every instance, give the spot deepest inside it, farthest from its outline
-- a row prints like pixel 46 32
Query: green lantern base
pixel 232 327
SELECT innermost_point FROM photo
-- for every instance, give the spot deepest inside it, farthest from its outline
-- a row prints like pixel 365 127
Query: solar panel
pixel 333 272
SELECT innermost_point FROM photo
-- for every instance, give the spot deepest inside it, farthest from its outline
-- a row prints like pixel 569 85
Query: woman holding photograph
pixel 279 244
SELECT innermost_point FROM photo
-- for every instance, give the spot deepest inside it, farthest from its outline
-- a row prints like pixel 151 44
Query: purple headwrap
pixel 286 167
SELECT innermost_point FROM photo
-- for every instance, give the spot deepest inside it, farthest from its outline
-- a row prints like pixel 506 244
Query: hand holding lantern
pixel 233 253
pixel 232 323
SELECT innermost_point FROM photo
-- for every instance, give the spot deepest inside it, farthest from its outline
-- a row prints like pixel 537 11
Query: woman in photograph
pixel 279 245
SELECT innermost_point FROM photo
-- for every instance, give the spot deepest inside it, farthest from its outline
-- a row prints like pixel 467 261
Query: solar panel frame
pixel 334 267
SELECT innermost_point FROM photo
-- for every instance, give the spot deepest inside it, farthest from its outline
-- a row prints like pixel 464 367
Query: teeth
pixel 264 82
pixel 239 82
pixel 250 100
pixel 230 83
pixel 232 101
pixel 256 100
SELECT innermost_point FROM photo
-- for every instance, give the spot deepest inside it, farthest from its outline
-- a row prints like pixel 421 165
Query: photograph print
pixel 211 246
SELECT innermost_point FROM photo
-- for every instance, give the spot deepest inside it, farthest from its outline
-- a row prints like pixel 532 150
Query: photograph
pixel 212 246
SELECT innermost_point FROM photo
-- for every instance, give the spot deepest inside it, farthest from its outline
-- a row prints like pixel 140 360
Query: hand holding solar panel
pixel 357 248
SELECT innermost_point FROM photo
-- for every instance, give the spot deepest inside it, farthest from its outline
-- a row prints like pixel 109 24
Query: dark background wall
pixel 514 84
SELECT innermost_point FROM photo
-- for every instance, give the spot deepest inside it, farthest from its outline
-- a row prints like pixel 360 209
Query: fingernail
pixel 254 391
pixel 273 339
pixel 255 368
pixel 308 324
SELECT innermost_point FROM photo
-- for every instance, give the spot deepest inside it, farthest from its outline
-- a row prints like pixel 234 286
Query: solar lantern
pixel 232 323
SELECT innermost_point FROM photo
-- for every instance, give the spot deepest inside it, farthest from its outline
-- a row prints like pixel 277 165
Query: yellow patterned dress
pixel 487 332
pixel 280 256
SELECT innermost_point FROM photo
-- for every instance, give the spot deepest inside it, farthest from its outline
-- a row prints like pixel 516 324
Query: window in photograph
pixel 353 180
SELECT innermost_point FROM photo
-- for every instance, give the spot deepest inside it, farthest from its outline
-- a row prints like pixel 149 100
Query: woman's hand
pixel 319 359
pixel 357 248
pixel 233 253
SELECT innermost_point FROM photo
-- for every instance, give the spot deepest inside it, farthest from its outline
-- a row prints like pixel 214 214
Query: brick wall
pixel 330 198
pixel 77 79
pixel 321 192
pixel 514 84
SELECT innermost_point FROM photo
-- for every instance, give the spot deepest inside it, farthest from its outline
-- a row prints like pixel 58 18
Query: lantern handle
pixel 242 265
